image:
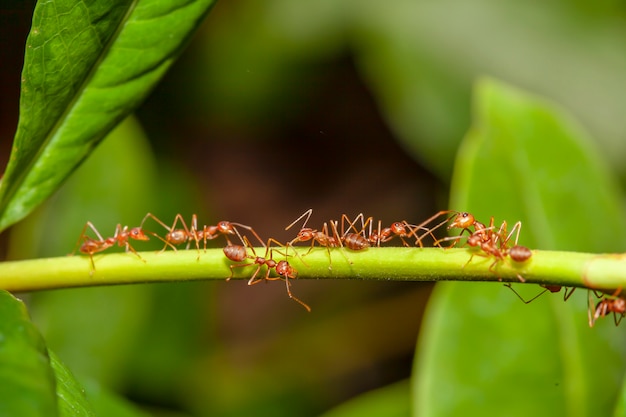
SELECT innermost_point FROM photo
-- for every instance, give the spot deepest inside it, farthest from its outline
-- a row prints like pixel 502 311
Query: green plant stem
pixel 568 269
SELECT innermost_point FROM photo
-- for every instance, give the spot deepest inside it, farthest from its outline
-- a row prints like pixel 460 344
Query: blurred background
pixel 276 107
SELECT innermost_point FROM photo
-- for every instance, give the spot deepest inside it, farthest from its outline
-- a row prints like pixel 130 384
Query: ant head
pixel 398 228
pixel 304 234
pixel 619 305
pixel 137 234
pixel 225 227
pixel 462 221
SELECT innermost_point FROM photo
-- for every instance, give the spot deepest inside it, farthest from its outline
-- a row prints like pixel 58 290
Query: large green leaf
pixel 27 386
pixel 70 394
pixel 482 351
pixel 88 64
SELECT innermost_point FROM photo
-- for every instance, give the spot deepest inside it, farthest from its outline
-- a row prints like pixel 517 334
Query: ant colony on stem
pixel 357 233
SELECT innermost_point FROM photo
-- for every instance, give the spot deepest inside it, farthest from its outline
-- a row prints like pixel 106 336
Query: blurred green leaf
pixel 108 404
pixel 26 380
pixel 87 66
pixel 174 334
pixel 94 330
pixel 390 401
pixel 420 57
pixel 70 395
pixel 482 351
pixel 620 409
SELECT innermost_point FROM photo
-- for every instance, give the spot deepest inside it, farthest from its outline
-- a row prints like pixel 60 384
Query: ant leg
pixel 454 239
pixel 83 236
pixel 193 231
pixel 517 227
pixel 328 243
pixel 286 246
pixel 253 279
pixel 308 216
pixel 293 297
pixel 508 284
pixel 422 225
pixel 567 295
pixel 500 233
pixel 377 237
pixel 352 225
pixel 596 310
pixel 130 247
pixel 250 229
pixel 166 227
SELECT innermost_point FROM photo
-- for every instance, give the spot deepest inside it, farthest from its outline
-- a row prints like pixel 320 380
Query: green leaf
pixel 91 401
pixel 26 380
pixel 71 396
pixel 87 66
pixel 108 404
pixel 482 351
pixel 390 401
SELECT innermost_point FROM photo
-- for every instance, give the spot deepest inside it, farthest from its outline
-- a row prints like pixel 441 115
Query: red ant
pixel 226 228
pixel 176 236
pixel 465 220
pixel 396 229
pixel 238 253
pixel 374 237
pixel 492 243
pixel 488 239
pixel 323 238
pixel 122 237
pixel 353 240
pixel 606 305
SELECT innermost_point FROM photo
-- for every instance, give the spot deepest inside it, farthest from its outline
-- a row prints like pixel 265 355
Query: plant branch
pixel 568 269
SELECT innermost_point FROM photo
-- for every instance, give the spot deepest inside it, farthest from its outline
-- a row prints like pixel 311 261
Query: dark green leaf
pixel 483 352
pixel 87 66
pixel 70 395
pixel 27 386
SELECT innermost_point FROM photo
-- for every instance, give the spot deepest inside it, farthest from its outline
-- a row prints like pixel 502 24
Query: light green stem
pixel 568 269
